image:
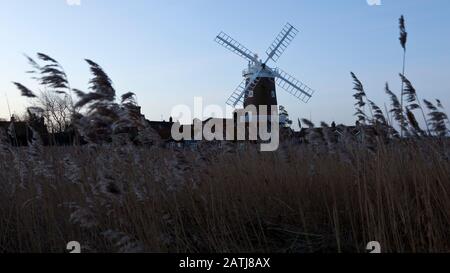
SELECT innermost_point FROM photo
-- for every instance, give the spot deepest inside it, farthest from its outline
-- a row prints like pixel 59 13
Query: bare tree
pixel 56 110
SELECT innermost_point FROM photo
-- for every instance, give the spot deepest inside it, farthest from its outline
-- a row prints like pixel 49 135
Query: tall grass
pixel 131 199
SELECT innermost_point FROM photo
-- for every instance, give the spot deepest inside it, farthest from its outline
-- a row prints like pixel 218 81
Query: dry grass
pixel 128 198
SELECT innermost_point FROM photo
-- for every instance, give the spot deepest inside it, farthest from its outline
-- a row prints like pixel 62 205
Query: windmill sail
pixel 293 86
pixel 237 97
pixel 235 47
pixel 243 89
pixel 282 41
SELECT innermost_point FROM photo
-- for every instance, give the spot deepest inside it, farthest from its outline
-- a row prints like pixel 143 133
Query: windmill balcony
pixel 251 70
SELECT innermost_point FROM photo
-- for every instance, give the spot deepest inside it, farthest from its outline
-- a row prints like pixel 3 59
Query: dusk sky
pixel 164 50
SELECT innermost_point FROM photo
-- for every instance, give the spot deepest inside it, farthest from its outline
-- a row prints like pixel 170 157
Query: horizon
pixel 161 50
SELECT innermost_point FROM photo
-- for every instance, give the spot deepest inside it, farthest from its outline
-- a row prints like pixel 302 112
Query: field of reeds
pixel 389 183
pixel 299 199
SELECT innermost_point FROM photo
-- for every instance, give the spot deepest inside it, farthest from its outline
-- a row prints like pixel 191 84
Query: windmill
pixel 259 85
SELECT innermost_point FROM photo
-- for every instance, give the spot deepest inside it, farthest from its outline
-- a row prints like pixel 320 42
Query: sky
pixel 164 50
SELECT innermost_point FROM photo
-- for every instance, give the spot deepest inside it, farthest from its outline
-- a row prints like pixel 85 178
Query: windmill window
pixel 273 94
pixel 250 94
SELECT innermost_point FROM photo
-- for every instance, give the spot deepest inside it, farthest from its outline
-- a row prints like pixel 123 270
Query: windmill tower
pixel 259 85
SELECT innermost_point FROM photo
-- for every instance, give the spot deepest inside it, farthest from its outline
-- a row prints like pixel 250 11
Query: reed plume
pixel 414 124
pixel 396 109
pixel 437 119
pixel 412 98
pixel 403 40
pixel 101 83
pixel 441 106
pixel 26 92
pixel 360 102
pixel 403 34
pixel 51 76
pixel 308 123
pixel 378 115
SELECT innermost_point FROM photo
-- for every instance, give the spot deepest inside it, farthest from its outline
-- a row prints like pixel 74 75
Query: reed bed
pixel 134 199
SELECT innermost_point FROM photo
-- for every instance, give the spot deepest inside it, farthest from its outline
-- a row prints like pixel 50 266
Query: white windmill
pixel 258 86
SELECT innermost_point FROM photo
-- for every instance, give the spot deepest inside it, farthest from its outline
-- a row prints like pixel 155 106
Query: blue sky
pixel 165 53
